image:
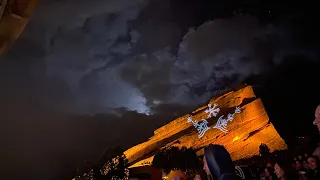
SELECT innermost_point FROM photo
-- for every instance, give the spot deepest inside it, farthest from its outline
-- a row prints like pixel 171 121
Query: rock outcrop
pixel 246 131
pixel 14 16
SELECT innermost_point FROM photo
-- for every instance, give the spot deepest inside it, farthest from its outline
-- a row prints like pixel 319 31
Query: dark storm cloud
pixel 99 58
pixel 209 60
pixel 224 53
pixel 124 56
pixel 78 58
pixel 216 56
pixel 84 49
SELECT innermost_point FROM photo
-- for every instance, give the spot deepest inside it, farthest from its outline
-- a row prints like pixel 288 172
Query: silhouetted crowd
pixel 218 165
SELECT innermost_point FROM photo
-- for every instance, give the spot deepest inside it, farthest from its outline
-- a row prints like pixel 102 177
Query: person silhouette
pixel 317 118
pixel 218 164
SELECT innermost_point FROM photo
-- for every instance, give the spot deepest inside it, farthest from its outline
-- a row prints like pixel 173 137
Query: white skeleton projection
pixel 202 127
pixel 237 111
pixel 194 122
pixel 231 116
pixel 222 123
pixel 212 111
pixel 190 119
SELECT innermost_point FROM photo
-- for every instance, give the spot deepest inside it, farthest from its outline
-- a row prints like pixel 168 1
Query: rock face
pixel 14 16
pixel 246 131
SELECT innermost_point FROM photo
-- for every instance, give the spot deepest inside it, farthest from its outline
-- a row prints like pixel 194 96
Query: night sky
pixel 87 75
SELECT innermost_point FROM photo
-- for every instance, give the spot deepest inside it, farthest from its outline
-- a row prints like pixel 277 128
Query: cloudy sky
pixel 83 73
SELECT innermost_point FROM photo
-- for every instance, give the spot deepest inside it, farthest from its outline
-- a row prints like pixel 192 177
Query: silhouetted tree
pixel 175 158
pixel 264 150
pixel 113 165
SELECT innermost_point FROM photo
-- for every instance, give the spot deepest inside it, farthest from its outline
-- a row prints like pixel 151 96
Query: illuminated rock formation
pixel 14 16
pixel 246 132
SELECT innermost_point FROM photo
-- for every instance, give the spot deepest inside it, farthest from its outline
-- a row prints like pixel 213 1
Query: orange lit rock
pixel 247 131
pixel 14 16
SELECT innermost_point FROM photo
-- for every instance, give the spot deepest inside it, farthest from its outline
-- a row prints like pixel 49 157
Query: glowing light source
pixel 235 139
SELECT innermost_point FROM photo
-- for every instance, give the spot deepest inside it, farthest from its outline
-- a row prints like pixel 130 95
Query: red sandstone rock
pixel 247 131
